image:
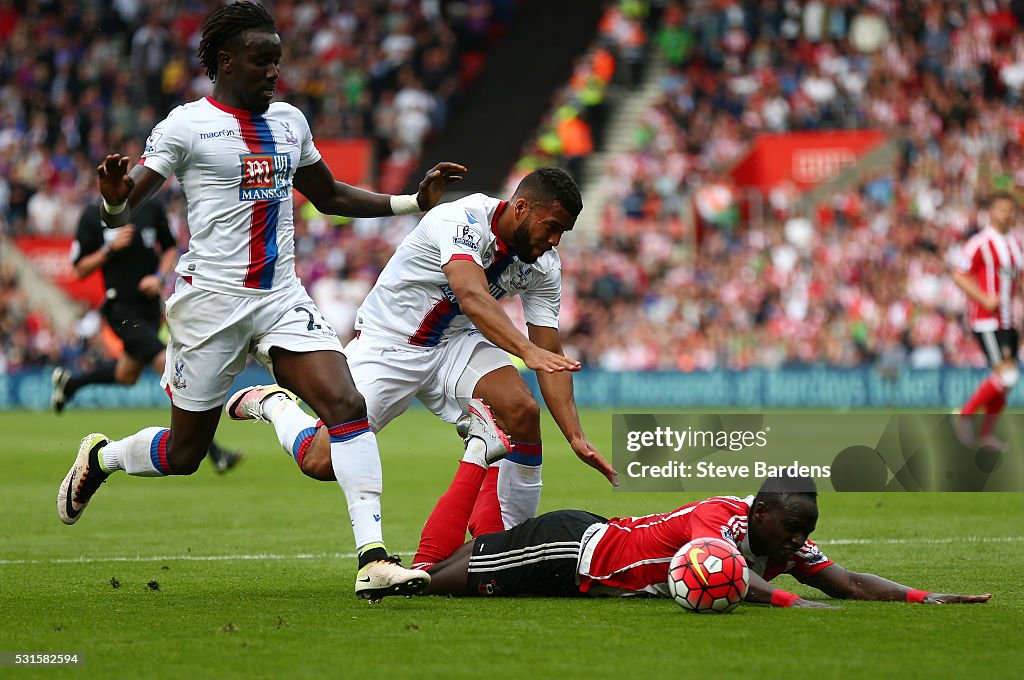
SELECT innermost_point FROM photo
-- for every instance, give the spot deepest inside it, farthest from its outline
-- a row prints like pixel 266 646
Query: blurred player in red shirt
pixel 989 273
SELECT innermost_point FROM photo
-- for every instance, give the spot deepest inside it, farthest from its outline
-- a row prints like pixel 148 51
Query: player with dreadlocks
pixel 237 155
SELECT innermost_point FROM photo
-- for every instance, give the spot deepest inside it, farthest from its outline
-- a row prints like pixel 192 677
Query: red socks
pixel 486 517
pixel 988 391
pixel 992 411
pixel 445 529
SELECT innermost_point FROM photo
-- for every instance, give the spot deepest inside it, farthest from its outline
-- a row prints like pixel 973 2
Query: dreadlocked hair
pixel 227 23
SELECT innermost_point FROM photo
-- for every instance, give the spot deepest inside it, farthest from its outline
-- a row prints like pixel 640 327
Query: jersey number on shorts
pixel 312 325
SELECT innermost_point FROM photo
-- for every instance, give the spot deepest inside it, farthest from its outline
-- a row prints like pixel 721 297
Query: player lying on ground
pixel 573 553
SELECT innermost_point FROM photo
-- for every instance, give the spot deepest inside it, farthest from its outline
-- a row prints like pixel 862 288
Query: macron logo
pixel 218 133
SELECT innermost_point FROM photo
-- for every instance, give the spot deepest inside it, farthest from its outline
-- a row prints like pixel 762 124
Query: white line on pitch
pixel 187 558
pixel 922 540
pixel 339 556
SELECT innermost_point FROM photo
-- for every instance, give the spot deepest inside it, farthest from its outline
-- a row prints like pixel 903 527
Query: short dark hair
pixel 775 492
pixel 552 184
pixel 227 23
pixel 1000 196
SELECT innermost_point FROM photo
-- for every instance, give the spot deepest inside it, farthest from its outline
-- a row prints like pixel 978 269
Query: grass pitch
pixel 250 575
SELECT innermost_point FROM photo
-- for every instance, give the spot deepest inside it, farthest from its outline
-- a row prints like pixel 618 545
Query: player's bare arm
pixel 436 181
pixel 118 187
pixel 331 197
pixel 835 581
pixel 557 390
pixel 971 289
pixel 761 592
pixel 469 284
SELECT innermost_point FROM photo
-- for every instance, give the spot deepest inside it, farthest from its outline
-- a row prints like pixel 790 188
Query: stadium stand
pixel 390 71
pixel 686 271
pixel 858 278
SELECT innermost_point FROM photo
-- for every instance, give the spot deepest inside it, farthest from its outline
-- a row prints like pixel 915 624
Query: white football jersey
pixel 235 168
pixel 412 301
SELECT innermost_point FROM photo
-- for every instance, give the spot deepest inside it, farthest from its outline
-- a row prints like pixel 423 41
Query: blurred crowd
pixel 573 127
pixel 80 79
pixel 25 336
pixel 685 274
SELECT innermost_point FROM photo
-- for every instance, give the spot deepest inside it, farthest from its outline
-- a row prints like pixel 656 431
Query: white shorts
pixel 211 334
pixel 389 374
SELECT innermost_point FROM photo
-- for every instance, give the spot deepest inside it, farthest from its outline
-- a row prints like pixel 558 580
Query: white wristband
pixel 405 205
pixel 114 209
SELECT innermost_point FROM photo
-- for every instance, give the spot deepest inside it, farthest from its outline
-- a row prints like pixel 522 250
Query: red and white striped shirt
pixel 631 554
pixel 994 261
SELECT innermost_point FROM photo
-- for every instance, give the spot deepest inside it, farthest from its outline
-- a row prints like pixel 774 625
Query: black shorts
pixel 138 326
pixel 538 557
pixel 998 345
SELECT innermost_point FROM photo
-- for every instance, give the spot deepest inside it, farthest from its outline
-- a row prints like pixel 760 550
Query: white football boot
pixel 82 480
pixel 479 422
pixel 379 579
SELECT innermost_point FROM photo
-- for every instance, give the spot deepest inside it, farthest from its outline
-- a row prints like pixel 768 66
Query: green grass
pixel 292 613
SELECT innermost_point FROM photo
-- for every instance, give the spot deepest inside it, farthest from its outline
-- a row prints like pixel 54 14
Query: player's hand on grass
pixel 436 181
pixel 543 361
pixel 586 452
pixel 939 598
pixel 113 180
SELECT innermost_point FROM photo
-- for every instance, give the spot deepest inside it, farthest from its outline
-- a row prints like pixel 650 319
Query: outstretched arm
pixel 124 191
pixel 841 583
pixel 331 197
pixel 469 284
pixel 558 396
pixel 761 592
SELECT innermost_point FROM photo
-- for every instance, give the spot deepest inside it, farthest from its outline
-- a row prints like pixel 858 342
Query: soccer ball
pixel 708 575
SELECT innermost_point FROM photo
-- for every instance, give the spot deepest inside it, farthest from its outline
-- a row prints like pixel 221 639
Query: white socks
pixel 295 428
pixel 356 463
pixel 143 454
pixel 354 457
pixel 476 451
pixel 518 492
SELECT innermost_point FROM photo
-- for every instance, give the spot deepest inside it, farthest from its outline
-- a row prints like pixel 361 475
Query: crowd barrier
pixel 819 388
pixel 31 390
pixel 815 387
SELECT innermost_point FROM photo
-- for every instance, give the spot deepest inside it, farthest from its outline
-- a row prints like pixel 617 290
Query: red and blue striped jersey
pixel 412 302
pixel 235 168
